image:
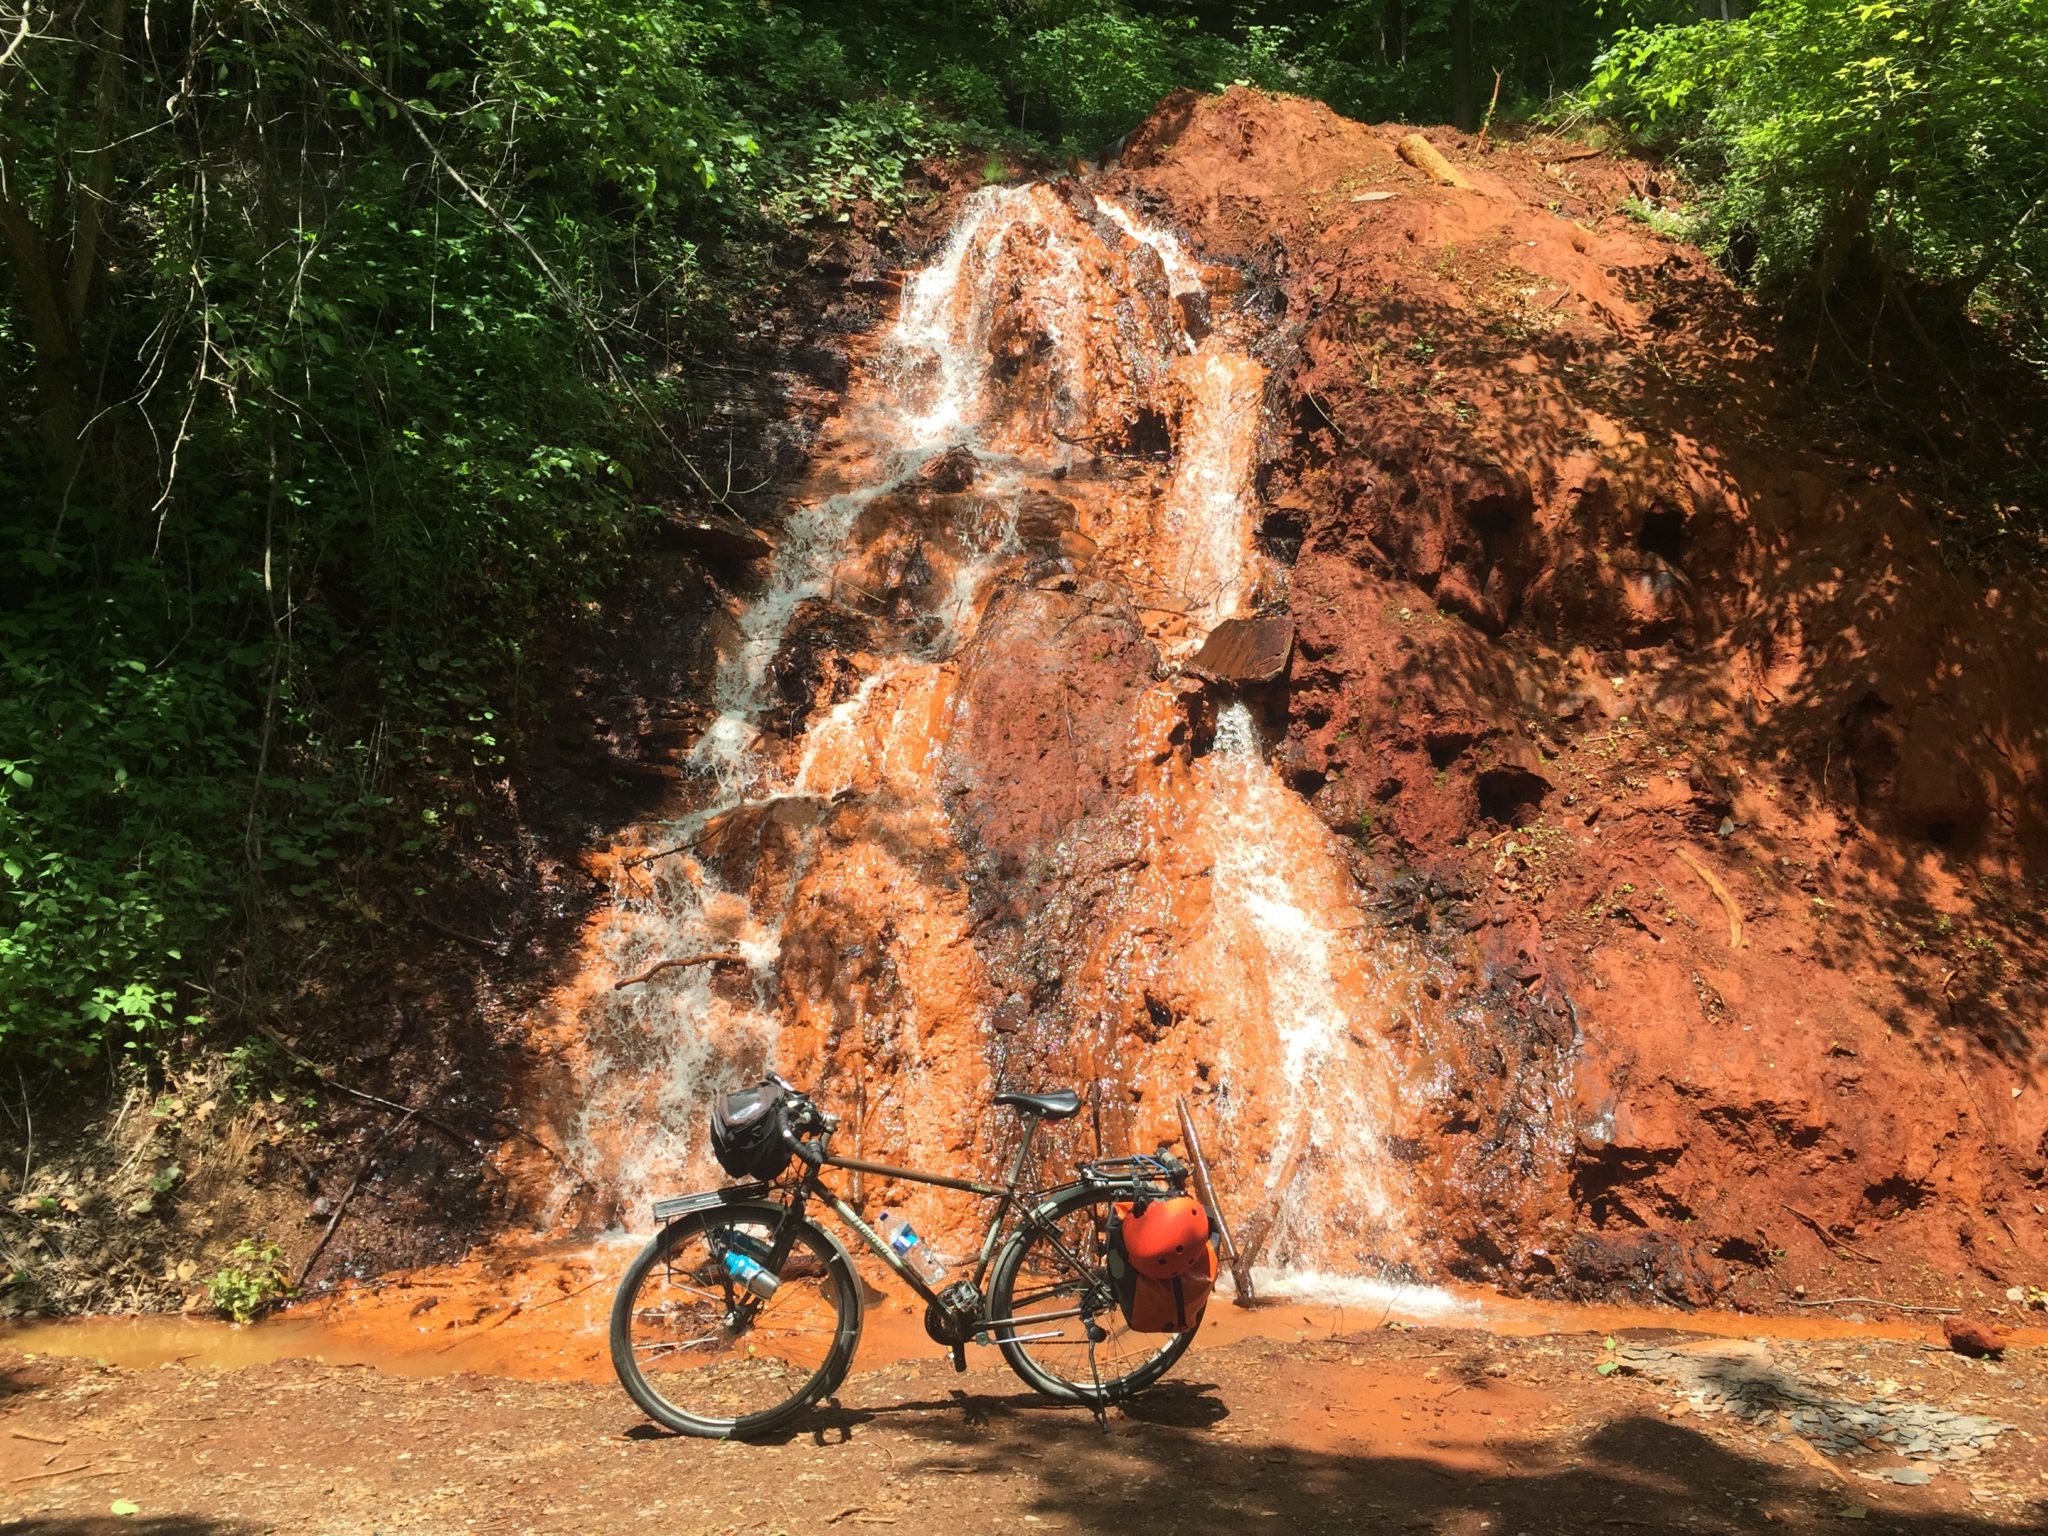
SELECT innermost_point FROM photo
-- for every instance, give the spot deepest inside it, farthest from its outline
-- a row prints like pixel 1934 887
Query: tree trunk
pixel 1464 83
pixel 56 261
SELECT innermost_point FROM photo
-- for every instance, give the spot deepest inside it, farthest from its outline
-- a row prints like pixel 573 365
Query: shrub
pixel 253 1280
pixel 1834 141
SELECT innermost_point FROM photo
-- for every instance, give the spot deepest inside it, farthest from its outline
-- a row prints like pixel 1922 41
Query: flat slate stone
pixel 1246 651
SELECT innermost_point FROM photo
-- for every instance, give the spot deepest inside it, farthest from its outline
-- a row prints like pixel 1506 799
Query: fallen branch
pixel 499 1321
pixel 1426 157
pixel 327 1078
pixel 505 1122
pixel 498 947
pixel 1735 938
pixel 25 1434
pixel 83 1469
pixel 1260 1227
pixel 1828 1237
pixel 1872 1301
pixel 659 966
pixel 568 1295
pixel 341 1206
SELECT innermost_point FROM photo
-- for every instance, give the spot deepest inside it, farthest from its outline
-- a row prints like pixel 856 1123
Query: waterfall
pixel 829 892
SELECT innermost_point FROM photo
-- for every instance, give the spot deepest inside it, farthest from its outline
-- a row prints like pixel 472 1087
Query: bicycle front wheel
pixel 704 1354
pixel 1062 1330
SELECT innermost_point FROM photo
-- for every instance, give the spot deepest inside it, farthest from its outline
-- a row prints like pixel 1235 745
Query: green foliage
pixel 1096 73
pixel 342 348
pixel 1835 141
pixel 858 154
pixel 252 1281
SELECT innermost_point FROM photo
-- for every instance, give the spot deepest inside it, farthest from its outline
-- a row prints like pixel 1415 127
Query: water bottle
pixel 916 1254
pixel 743 1266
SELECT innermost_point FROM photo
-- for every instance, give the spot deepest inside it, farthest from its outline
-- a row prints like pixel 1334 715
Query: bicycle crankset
pixel 956 1316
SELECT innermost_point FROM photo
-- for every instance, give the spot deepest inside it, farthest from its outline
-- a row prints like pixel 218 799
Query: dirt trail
pixel 1408 1430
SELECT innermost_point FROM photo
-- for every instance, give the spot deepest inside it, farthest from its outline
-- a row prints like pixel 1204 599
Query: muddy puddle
pixel 541 1316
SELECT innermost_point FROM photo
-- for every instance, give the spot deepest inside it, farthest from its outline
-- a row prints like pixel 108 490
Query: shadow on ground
pixel 1170 1462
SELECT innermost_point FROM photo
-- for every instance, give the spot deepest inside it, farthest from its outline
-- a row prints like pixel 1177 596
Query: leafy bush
pixel 1835 140
pixel 252 1281
pixel 858 154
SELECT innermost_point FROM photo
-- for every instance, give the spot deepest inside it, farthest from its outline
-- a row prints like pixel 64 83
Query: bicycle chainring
pixel 955 1317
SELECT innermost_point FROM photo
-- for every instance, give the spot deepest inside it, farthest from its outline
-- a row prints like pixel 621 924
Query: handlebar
pixel 803 1115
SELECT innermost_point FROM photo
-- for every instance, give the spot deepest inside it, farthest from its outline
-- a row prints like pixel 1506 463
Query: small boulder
pixel 949 472
pixel 1968 1336
pixel 1246 651
pixel 1043 519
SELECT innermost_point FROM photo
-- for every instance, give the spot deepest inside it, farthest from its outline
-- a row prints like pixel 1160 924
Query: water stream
pixel 1014 531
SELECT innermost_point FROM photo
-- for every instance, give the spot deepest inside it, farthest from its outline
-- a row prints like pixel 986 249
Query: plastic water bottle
pixel 916 1254
pixel 741 1264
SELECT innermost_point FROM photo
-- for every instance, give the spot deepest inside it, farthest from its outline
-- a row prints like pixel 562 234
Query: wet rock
pixel 1043 519
pixel 1968 1336
pixel 721 538
pixel 813 667
pixel 1046 704
pixel 1646 1263
pixel 954 470
pixel 1245 652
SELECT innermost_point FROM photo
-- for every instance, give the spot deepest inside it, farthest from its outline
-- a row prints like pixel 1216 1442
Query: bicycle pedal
pixel 960 1358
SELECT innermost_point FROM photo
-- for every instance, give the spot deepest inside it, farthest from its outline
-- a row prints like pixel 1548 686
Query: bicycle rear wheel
pixel 1051 1285
pixel 704 1355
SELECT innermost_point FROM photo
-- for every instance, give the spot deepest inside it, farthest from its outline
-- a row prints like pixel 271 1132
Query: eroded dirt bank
pixel 1627 884
pixel 1603 614
pixel 1411 667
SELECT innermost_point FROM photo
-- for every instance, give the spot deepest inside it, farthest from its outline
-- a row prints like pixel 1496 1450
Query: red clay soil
pixel 1425 1430
pixel 1642 676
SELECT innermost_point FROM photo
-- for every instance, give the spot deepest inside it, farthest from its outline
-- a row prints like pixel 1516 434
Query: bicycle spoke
pixel 708 1350
pixel 1061 1272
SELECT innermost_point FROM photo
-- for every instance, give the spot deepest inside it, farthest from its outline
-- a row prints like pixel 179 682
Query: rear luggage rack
pixel 1160 1171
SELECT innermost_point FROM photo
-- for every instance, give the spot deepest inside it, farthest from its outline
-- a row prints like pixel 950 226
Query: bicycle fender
pixel 706 1200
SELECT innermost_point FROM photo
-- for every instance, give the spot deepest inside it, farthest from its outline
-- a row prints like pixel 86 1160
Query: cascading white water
pixel 673 1041
pixel 1206 516
pixel 1276 888
pixel 1183 272
pixel 1293 995
pixel 939 346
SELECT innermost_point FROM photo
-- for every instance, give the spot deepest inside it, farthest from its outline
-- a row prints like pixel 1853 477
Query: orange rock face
pixel 1407 923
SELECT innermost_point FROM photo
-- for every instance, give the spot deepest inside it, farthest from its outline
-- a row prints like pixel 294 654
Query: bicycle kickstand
pixel 1100 1407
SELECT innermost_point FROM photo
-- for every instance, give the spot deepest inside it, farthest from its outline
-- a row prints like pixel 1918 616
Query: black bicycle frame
pixel 1006 1196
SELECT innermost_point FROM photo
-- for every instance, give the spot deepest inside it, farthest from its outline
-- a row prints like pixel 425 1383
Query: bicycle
pixel 705 1352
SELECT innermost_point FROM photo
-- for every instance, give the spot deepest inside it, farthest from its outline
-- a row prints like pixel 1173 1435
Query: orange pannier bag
pixel 1152 1304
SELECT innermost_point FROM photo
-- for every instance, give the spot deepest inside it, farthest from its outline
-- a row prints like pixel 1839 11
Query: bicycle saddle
pixel 1056 1105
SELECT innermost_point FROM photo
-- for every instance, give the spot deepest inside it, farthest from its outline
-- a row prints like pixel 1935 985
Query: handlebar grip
pixel 809 1151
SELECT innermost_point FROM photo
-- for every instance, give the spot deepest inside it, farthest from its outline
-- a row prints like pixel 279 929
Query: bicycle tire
pixel 1054 1367
pixel 693 1303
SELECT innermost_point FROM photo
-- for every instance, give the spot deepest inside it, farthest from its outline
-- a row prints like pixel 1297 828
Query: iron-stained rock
pixel 1246 651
